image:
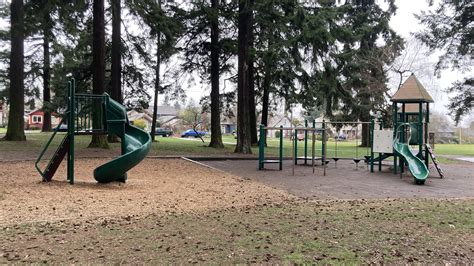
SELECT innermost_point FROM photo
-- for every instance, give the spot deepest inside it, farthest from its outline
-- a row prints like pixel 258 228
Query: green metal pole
pixel 380 154
pixel 295 140
pixel 281 148
pixel 71 130
pixel 403 139
pixel 371 140
pixel 427 121
pixel 305 142
pixel 420 131
pixel 69 93
pixel 395 124
pixel 261 150
pixel 323 145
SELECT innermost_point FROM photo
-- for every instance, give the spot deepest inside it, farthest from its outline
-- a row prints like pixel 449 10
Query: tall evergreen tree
pixel 116 56
pixel 243 117
pixel 216 134
pixel 251 73
pixel 15 130
pixel 163 21
pixel 47 36
pixel 362 61
pixel 98 66
pixel 450 29
pixel 157 80
pixel 276 54
pixel 207 48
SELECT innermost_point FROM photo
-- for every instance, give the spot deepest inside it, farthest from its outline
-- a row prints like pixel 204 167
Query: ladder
pixel 58 156
pixel 56 160
pixel 435 160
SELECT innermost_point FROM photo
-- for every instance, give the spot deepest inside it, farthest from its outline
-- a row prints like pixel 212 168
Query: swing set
pixel 309 151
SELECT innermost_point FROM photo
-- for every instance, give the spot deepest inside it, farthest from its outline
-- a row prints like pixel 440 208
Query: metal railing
pixel 90 114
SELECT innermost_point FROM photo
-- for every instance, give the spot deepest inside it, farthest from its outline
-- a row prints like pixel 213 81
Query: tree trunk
pixel 364 115
pixel 216 134
pixel 116 68
pixel 252 104
pixel 47 35
pixel 243 117
pixel 16 122
pixel 157 88
pixel 157 83
pixel 98 67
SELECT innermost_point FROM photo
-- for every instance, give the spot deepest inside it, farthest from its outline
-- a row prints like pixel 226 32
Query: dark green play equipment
pixel 410 127
pixel 294 133
pixel 411 117
pixel 335 157
pixel 89 114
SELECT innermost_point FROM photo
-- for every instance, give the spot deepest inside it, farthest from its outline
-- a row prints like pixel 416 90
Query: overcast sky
pixel 405 23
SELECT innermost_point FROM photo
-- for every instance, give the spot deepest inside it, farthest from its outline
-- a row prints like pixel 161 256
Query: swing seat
pixel 335 159
pixel 356 160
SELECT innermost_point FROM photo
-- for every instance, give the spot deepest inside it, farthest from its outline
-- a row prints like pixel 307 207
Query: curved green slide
pixel 136 144
pixel 416 166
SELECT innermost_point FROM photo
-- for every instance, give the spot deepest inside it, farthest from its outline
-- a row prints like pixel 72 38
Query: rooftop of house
pixel 163 110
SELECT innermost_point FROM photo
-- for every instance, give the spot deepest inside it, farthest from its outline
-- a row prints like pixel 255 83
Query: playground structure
pixel 293 132
pixel 410 127
pixel 89 114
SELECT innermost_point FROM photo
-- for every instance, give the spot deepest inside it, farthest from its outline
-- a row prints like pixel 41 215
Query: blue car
pixel 192 133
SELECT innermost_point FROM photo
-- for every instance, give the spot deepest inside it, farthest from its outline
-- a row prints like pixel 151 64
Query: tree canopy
pixel 450 29
pixel 326 55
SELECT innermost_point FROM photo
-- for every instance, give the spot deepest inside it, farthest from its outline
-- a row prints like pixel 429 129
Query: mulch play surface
pixel 154 186
pixel 174 211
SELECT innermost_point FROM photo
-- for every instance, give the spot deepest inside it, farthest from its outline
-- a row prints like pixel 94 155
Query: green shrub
pixel 277 134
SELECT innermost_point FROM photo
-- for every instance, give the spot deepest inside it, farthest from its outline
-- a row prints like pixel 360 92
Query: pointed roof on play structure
pixel 412 91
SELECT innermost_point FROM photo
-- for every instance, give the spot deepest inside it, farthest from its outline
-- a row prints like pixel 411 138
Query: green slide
pixel 136 144
pixel 416 166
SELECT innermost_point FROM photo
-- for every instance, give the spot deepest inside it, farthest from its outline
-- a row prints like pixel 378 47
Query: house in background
pixel 277 120
pixel 228 125
pixel 35 119
pixel 167 116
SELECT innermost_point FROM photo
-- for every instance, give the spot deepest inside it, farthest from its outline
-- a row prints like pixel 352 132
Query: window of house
pixel 37 119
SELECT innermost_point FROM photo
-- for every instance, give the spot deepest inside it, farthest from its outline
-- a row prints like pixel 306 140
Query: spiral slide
pixel 416 166
pixel 136 144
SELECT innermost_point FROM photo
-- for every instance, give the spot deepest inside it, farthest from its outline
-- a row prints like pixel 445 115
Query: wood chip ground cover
pixel 155 186
pixel 172 211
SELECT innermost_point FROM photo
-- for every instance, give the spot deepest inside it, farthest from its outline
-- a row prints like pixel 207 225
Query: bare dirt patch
pixel 154 186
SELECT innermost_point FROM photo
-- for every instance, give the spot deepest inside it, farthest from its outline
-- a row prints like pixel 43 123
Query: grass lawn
pixel 3 130
pixel 368 232
pixel 191 146
pixel 163 146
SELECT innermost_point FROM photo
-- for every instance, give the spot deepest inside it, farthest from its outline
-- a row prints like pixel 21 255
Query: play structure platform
pixel 89 114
